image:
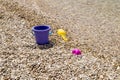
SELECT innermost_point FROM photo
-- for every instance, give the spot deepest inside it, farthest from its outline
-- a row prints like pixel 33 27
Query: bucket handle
pixel 32 32
pixel 50 32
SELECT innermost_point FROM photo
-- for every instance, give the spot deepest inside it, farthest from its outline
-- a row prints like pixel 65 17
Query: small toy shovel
pixel 62 33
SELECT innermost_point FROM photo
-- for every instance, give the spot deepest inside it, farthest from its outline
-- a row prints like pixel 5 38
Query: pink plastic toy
pixel 76 52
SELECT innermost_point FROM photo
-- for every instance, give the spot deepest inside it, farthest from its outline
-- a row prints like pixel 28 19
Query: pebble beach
pixel 91 26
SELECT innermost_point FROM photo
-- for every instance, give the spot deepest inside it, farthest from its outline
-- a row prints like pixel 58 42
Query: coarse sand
pixel 93 26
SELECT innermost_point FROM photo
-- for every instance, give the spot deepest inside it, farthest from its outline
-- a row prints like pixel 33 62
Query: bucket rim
pixel 48 27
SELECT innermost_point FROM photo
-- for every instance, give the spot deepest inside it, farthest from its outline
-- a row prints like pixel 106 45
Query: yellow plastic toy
pixel 62 33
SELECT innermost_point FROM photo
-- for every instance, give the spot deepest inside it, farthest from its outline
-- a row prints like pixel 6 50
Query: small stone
pixel 101 76
pixel 118 67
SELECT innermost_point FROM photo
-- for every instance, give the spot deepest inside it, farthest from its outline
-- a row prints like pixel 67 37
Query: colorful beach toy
pixel 76 52
pixel 62 33
pixel 41 34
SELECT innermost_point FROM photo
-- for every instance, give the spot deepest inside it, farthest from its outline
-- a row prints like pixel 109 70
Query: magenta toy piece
pixel 76 52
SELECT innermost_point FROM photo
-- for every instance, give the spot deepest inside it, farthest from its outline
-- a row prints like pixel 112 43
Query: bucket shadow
pixel 46 46
pixel 51 44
